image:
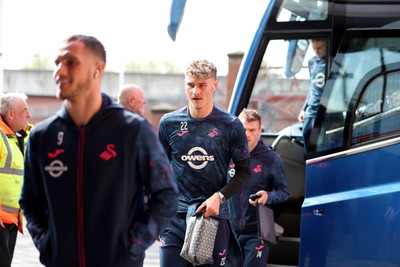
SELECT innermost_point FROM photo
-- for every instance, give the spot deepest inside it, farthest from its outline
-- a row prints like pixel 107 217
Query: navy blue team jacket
pixel 267 173
pixel 83 188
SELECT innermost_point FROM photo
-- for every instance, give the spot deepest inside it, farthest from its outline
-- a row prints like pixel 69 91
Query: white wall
pixel 159 88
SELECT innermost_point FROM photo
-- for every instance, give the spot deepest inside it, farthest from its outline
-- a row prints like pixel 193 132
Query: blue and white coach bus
pixel 344 205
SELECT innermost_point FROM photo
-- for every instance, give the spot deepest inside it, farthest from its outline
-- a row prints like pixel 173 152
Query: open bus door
pixel 343 208
pixel 335 197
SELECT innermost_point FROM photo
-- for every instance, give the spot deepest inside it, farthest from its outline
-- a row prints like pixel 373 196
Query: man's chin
pixel 60 95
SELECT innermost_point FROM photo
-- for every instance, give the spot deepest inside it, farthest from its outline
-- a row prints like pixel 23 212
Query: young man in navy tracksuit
pixel 85 170
pixel 200 140
pixel 268 181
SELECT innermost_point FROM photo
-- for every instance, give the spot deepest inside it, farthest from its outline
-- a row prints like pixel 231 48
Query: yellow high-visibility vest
pixel 11 169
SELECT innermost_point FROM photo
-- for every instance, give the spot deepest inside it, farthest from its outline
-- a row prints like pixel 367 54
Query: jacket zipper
pixel 79 200
pixel 241 211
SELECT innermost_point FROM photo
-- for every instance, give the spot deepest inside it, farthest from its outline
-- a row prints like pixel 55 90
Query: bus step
pixel 285 252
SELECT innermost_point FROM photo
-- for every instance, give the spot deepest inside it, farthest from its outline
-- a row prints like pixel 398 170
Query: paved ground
pixel 26 254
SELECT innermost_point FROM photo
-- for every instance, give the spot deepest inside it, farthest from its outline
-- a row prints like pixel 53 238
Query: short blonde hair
pixel 249 115
pixel 201 69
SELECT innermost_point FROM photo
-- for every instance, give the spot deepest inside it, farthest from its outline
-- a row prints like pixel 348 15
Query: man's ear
pixel 10 113
pixel 99 69
pixel 215 84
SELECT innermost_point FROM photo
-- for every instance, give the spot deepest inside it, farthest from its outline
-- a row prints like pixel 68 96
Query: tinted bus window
pixel 282 83
pixel 365 92
pixel 303 10
pixel 377 114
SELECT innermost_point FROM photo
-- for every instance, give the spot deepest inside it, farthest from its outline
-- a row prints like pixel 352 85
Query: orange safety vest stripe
pixel 9 217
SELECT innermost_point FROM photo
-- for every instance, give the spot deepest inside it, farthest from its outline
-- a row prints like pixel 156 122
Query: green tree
pixel 39 62
pixel 153 67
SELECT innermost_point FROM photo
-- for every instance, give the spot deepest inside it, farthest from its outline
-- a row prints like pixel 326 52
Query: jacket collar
pixel 4 127
pixel 107 103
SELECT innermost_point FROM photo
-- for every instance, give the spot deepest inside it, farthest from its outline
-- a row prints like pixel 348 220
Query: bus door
pixel 343 209
pixel 351 211
pixel 278 94
pixel 275 80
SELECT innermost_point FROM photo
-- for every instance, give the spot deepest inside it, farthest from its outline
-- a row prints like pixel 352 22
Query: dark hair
pixel 91 43
pixel 202 69
pixel 250 115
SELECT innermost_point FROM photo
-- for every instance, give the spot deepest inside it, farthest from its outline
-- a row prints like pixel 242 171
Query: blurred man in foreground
pixel 86 168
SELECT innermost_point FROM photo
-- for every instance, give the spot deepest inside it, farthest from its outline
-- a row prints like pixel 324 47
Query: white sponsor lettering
pixel 202 158
pixel 56 168
pixel 319 80
pixel 232 172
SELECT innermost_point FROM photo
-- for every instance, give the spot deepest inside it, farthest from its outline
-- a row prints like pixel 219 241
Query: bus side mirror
pixel 295 56
pixel 176 14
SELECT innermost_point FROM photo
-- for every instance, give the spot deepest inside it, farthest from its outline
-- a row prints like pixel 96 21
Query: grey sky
pixel 130 29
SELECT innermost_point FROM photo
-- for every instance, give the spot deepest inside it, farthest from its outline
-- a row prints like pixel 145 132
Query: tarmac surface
pixel 26 254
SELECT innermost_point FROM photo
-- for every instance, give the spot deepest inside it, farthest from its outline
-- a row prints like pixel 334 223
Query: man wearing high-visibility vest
pixel 13 121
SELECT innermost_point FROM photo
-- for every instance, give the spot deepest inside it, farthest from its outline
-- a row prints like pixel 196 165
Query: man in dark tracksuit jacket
pixel 268 181
pixel 83 183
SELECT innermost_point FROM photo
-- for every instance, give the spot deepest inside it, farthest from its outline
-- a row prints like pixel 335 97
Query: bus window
pixel 277 97
pixel 362 85
pixel 378 110
pixel 303 10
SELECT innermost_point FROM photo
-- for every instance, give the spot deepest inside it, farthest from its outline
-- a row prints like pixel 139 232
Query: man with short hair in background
pixel 131 96
pixel 268 182
pixel 317 69
pixel 14 118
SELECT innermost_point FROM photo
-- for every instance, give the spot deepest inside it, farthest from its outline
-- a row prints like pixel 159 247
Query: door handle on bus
pixel 319 212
